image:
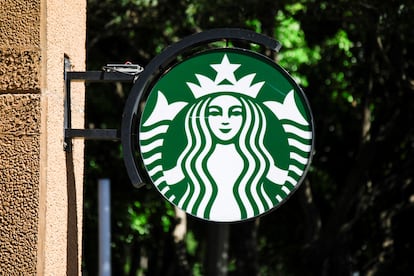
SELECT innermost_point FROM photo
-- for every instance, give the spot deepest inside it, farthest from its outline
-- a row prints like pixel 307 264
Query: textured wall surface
pixel 19 178
pixel 19 25
pixel 19 70
pixel 40 185
pixel 62 173
pixel 19 136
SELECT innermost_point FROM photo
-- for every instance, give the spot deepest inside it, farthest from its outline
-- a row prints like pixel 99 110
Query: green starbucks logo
pixel 226 135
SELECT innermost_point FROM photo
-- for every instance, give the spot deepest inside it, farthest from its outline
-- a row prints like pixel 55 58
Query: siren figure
pixel 225 161
pixel 224 172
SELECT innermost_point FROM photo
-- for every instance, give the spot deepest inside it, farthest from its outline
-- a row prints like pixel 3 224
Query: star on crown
pixel 225 71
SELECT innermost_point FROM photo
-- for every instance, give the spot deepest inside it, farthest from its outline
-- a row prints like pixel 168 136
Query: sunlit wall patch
pixel 226 135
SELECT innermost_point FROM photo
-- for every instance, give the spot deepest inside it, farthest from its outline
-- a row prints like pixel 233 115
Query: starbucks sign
pixel 225 134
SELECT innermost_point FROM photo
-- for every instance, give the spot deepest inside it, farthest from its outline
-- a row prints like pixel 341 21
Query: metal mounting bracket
pixel 111 73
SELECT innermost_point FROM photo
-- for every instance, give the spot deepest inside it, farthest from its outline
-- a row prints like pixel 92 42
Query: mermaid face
pixel 225 117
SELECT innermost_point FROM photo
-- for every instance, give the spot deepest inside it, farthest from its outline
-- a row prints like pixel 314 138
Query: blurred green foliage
pixel 352 214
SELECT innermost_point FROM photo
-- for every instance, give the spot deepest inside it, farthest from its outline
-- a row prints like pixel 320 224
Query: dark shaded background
pixel 351 216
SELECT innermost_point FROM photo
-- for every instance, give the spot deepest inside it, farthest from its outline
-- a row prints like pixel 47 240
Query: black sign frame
pixel 138 94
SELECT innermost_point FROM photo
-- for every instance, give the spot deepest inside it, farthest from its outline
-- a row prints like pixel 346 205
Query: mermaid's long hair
pixel 248 189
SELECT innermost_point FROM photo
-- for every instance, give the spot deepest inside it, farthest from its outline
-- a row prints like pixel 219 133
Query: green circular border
pixel 298 92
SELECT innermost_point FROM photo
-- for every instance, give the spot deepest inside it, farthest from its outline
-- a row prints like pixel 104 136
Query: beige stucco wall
pixel 40 184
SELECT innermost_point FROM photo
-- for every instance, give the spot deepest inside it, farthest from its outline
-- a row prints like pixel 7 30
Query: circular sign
pixel 225 135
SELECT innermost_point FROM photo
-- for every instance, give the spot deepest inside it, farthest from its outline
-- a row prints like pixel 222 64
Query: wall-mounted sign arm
pixel 127 73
